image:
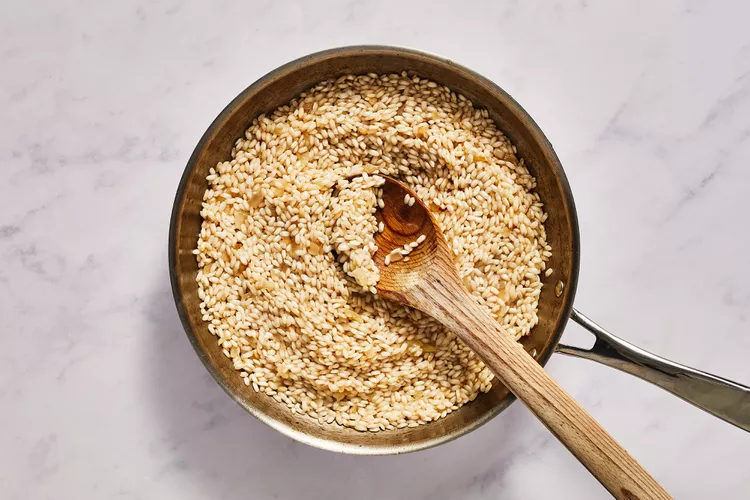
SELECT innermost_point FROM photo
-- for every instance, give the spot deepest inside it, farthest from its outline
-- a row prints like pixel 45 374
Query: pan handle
pixel 718 396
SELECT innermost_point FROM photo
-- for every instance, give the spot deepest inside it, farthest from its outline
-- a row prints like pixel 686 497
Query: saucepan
pixel 725 399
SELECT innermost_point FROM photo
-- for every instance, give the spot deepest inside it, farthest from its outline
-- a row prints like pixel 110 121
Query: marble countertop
pixel 101 396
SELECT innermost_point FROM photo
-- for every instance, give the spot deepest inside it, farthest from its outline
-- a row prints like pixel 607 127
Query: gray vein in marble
pixel 728 104
pixel 7 231
pixel 722 159
pixel 39 460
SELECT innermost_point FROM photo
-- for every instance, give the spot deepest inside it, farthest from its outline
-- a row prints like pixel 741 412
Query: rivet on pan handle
pixel 718 396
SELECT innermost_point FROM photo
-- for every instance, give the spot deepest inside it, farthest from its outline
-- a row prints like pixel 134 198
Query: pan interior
pixel 279 87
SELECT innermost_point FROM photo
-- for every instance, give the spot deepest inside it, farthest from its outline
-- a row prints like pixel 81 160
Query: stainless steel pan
pixel 723 398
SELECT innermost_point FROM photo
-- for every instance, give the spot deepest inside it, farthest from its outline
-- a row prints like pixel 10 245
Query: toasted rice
pixel 305 328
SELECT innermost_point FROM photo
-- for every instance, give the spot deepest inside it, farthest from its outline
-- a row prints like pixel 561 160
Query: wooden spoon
pixel 428 281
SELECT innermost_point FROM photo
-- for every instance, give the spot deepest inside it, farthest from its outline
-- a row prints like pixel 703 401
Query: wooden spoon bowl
pixel 404 224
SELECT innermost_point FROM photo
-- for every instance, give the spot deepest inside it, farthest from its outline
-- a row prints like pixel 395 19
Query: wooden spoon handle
pixel 619 472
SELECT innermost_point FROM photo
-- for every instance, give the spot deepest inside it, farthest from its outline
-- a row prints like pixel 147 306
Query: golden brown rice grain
pixel 285 269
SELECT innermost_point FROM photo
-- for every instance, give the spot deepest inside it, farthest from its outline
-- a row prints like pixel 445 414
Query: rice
pixel 403 252
pixel 353 212
pixel 286 276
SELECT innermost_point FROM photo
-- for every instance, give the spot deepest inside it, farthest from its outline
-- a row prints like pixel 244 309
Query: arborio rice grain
pixel 306 328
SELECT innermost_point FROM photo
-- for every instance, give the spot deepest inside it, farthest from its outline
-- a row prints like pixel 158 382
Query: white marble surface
pixel 101 396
